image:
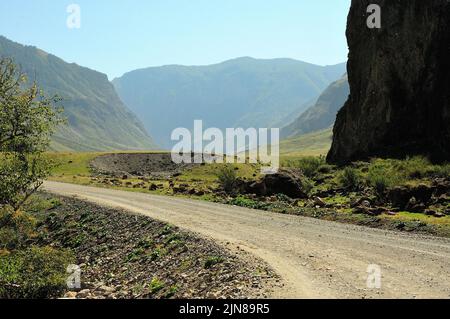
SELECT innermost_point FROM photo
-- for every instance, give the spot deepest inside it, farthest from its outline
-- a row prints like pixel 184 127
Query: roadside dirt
pixel 151 165
pixel 126 255
pixel 315 258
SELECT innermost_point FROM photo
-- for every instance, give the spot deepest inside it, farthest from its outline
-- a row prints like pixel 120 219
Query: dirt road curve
pixel 316 259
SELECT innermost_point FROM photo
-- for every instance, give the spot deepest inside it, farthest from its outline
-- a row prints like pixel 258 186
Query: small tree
pixel 27 120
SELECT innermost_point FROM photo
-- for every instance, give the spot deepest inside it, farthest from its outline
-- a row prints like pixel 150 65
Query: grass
pixel 313 144
pixel 209 172
pixel 350 178
pixel 309 165
pixel 72 163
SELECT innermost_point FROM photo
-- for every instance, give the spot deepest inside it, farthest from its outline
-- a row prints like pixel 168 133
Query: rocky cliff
pixel 399 78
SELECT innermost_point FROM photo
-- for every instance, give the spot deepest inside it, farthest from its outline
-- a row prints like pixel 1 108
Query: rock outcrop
pixel 399 78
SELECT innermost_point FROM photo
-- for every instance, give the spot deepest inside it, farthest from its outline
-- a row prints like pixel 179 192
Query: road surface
pixel 315 258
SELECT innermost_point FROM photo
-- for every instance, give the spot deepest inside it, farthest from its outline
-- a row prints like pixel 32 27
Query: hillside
pixel 322 114
pixel 243 92
pixel 97 119
pixel 311 144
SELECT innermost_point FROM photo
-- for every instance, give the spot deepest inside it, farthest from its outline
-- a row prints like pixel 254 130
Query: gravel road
pixel 315 258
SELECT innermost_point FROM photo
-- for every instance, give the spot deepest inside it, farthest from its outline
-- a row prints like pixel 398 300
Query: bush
pixel 309 166
pixel 227 178
pixel 442 171
pixel 34 273
pixel 350 178
pixel 382 176
pixel 307 185
pixel 16 228
pixel 414 167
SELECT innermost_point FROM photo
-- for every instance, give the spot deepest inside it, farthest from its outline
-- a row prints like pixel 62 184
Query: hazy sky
pixel 119 36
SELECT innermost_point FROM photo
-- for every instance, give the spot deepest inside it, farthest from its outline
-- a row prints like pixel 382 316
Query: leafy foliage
pixel 16 228
pixel 27 120
pixel 34 273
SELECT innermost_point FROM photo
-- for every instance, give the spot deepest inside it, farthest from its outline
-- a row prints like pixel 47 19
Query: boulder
pixel 441 187
pixel 401 196
pixel 286 182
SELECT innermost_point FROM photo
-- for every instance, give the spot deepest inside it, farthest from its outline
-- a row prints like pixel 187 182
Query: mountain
pixel 243 92
pixel 399 102
pixel 322 114
pixel 97 118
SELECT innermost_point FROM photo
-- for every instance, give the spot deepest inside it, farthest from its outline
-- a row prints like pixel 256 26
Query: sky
pixel 116 37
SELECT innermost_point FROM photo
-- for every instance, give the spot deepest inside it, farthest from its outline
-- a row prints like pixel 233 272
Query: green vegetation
pixel 227 177
pixel 311 144
pixel 213 260
pixel 156 285
pixel 338 187
pixel 27 121
pixel 350 178
pixel 309 165
pixel 172 291
pixel 35 272
pixel 16 228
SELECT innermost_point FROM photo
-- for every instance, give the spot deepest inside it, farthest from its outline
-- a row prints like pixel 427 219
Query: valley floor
pixel 314 258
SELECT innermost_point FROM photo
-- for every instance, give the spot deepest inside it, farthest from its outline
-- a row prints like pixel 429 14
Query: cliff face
pixel 399 77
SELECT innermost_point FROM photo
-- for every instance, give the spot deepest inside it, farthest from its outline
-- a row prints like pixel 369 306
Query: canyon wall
pixel 399 77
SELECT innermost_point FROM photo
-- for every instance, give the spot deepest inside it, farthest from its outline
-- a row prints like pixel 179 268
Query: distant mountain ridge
pixel 243 92
pixel 322 114
pixel 97 118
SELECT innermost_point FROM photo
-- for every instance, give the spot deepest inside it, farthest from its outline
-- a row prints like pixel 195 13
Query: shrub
pixel 16 228
pixel 383 174
pixel 350 178
pixel 307 185
pixel 34 273
pixel 309 166
pixel 442 170
pixel 414 167
pixel 227 177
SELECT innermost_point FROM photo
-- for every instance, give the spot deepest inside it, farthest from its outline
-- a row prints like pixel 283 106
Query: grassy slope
pixel 312 144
